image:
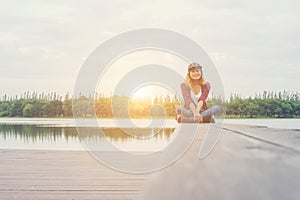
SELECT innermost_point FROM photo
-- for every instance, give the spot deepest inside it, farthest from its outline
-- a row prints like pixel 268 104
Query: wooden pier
pixel 248 162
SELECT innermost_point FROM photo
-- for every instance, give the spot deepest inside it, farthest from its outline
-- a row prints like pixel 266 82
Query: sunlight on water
pixel 66 138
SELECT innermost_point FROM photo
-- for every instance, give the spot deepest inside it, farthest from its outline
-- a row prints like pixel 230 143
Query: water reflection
pixel 128 133
pixel 52 137
pixel 35 133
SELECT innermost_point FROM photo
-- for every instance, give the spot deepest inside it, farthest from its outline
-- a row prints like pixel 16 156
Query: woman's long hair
pixel 188 79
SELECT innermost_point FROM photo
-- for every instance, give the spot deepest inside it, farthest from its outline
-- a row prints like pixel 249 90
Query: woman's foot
pixel 178 118
pixel 209 119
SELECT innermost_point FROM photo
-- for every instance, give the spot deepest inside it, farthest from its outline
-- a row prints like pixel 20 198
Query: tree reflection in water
pixel 48 133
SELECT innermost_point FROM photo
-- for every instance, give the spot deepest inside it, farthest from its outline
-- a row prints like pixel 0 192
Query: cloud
pixel 253 44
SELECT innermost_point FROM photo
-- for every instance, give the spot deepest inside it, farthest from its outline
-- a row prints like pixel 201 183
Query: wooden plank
pixel 72 195
pixel 284 138
pixel 239 167
pixel 27 174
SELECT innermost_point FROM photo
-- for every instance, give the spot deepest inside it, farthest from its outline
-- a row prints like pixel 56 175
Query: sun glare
pixel 149 92
pixel 141 93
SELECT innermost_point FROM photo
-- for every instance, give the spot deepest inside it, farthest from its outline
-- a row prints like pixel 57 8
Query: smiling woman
pixel 195 92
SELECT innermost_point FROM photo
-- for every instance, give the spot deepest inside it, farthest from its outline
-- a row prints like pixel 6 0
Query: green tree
pixel 28 110
pixel 67 108
pixel 286 109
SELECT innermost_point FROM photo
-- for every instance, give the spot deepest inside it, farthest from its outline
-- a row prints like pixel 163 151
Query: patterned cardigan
pixel 186 93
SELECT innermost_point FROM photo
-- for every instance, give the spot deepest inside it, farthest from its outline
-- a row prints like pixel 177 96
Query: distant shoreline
pixel 141 118
pixel 281 123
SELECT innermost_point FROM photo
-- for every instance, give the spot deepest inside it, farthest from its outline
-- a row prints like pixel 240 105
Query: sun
pixel 141 93
pixel 150 91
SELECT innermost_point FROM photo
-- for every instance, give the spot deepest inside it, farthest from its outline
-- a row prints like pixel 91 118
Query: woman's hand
pixel 198 117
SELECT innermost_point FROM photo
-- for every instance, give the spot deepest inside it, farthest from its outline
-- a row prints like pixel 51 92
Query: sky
pixel 254 45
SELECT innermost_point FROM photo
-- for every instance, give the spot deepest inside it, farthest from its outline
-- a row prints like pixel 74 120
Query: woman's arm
pixel 204 94
pixel 196 112
pixel 186 93
pixel 205 91
pixel 201 102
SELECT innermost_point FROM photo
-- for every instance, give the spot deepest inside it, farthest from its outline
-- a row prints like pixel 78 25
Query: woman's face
pixel 195 74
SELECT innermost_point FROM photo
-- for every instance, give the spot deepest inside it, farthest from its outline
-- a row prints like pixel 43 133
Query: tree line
pixel 267 104
pixel 53 105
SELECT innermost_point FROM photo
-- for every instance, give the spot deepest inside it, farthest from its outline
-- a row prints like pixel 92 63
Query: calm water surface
pixel 60 134
pixel 271 123
pixel 66 138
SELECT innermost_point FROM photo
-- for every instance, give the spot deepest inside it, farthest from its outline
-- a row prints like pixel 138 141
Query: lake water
pixel 49 137
pixel 61 134
pixel 271 123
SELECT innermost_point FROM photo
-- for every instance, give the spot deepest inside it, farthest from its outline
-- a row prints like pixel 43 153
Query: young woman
pixel 195 91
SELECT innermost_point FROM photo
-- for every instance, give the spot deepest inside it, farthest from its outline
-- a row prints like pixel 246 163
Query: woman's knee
pixel 183 111
pixel 179 110
pixel 216 110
